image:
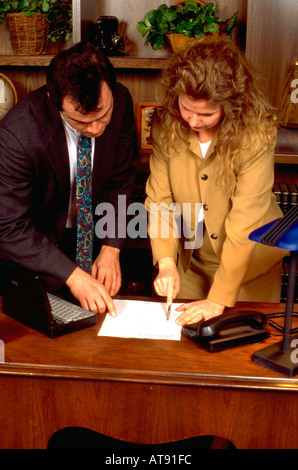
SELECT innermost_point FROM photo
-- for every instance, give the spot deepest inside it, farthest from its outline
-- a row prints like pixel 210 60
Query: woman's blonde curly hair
pixel 217 71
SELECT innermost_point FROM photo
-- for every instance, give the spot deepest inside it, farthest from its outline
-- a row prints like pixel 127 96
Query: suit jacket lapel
pixel 102 162
pixel 57 154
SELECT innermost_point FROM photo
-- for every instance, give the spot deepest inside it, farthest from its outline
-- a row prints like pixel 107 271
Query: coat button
pixel 204 177
pixel 214 236
pixel 205 207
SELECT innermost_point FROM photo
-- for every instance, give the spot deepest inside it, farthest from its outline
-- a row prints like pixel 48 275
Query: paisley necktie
pixel 84 205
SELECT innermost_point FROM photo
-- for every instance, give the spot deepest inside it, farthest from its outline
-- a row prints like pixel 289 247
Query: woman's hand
pixel 167 283
pixel 197 311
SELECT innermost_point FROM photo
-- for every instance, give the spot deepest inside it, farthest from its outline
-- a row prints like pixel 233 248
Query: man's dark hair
pixel 78 72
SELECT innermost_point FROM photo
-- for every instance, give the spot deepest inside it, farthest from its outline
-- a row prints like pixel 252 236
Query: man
pixel 38 164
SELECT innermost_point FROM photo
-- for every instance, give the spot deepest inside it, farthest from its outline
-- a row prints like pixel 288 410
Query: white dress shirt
pixel 72 139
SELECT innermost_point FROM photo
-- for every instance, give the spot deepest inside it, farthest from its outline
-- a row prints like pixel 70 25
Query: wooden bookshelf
pixel 125 62
pixel 140 68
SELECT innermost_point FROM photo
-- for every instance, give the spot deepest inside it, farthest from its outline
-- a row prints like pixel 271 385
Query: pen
pixel 169 311
pixel 170 295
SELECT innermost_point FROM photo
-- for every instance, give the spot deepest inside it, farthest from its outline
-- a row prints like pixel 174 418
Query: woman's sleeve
pixel 252 206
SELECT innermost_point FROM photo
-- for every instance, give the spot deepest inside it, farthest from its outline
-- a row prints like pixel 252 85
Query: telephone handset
pixel 228 330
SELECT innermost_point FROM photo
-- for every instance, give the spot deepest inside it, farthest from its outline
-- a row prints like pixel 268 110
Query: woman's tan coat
pixel 183 176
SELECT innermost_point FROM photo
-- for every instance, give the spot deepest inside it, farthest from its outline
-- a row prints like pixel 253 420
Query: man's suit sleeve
pixel 19 240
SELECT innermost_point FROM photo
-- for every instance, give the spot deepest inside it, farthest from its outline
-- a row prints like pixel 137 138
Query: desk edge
pixel 148 376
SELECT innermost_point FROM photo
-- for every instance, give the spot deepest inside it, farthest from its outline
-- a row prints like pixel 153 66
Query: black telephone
pixel 228 330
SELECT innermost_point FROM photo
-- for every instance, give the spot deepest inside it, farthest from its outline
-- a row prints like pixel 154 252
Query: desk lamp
pixel 282 233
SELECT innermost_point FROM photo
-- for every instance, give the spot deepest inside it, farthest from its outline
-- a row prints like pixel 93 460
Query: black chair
pixel 78 438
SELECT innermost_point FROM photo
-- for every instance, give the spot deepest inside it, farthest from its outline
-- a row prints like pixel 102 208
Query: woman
pixel 213 143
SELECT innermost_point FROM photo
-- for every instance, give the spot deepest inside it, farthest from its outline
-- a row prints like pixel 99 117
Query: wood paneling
pixel 25 79
pixel 140 83
pixel 5 46
pixel 130 12
pixel 272 45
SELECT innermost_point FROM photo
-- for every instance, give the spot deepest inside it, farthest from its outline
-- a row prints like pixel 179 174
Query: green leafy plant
pixel 58 13
pixel 189 19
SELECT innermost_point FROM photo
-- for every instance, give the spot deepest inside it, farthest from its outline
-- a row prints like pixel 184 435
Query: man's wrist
pixel 112 250
pixel 77 272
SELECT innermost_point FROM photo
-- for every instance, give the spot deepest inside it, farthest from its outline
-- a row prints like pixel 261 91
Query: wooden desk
pixel 142 391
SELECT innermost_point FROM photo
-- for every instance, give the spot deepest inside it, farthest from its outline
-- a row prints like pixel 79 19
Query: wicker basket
pixel 180 41
pixel 28 34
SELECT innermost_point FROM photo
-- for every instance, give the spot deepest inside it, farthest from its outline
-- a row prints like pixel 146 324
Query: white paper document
pixel 141 319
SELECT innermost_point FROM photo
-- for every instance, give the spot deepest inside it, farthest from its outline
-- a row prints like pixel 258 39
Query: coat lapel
pixel 57 154
pixel 194 146
pixel 103 160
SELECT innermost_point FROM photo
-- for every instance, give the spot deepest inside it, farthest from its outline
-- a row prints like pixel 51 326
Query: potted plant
pixel 32 23
pixel 183 20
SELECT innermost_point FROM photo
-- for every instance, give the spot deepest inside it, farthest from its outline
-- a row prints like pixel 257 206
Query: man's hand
pixel 106 269
pixel 91 294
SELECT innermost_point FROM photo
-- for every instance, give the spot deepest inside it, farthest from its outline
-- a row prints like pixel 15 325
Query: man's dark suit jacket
pixel 35 182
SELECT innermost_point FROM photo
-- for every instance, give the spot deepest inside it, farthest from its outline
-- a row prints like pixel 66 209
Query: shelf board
pixel 135 62
pixel 25 60
pixel 125 62
pixel 286 158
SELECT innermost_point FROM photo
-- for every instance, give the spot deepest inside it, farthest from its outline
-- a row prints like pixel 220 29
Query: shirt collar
pixel 71 129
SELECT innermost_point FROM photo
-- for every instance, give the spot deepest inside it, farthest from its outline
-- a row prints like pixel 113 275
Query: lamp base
pixel 275 359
